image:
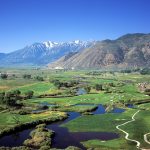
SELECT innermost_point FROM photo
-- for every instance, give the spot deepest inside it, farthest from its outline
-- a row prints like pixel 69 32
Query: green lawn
pixel 115 144
pixel 99 98
pixel 7 118
pixel 140 127
pixel 145 106
pixel 38 88
pixel 83 108
pixel 9 84
pixel 87 98
pixel 99 123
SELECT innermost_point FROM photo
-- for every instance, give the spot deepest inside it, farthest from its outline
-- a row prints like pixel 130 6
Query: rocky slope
pixel 131 50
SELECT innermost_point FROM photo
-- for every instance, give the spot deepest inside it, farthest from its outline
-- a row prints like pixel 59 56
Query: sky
pixel 23 22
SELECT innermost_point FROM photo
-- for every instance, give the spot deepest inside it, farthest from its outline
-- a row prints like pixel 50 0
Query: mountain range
pixel 40 54
pixel 130 50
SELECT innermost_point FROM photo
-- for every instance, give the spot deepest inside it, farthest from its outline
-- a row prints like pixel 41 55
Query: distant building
pixel 59 68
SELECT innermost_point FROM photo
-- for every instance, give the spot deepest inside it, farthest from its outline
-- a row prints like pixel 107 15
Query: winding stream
pixel 63 138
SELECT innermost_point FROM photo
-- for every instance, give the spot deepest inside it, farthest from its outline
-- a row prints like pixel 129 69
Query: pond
pixel 63 138
pixel 130 105
pixel 16 139
pixel 81 91
pixel 117 110
pixel 99 110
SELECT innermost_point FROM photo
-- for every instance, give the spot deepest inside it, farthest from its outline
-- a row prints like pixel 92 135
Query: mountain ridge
pixel 130 50
pixel 42 53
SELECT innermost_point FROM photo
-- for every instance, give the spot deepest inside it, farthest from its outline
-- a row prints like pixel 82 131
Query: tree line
pixel 11 98
pixel 24 76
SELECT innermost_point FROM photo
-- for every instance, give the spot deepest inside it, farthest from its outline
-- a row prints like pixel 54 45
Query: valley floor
pixel 59 93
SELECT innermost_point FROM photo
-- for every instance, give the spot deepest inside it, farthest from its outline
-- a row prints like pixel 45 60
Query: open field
pixel 8 119
pixel 145 106
pixel 38 88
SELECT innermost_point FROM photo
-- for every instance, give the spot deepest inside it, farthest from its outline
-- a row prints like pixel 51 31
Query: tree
pixel 111 84
pixel 88 89
pixel 4 76
pixel 39 78
pixel 29 94
pixel 57 83
pixel 2 96
pixel 68 84
pixel 145 71
pixel 9 99
pixel 147 90
pixel 17 94
pixel 27 76
pixel 126 71
pixel 98 87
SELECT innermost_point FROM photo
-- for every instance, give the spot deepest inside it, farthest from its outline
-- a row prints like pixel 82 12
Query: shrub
pixel 45 147
pixel 4 76
pixel 23 112
pixel 145 71
pixel 27 76
pixel 39 78
pixel 111 84
pixel 2 95
pixel 9 99
pixel 95 73
pixel 41 137
pixel 88 89
pixel 41 125
pixel 42 107
pixel 56 83
pixel 98 87
pixel 60 84
pixel 147 90
pixel 29 94
pixel 72 148
pixel 126 71
pixel 21 148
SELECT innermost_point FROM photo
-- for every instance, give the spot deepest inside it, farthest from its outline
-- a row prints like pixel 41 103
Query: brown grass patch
pixel 4 87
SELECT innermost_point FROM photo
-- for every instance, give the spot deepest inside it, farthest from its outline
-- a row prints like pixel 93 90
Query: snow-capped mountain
pixel 76 43
pixel 42 53
pixel 50 44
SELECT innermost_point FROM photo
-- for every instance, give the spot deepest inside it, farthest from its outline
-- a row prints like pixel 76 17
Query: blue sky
pixel 23 22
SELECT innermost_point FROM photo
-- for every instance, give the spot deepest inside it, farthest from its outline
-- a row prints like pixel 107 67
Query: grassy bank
pixel 9 124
